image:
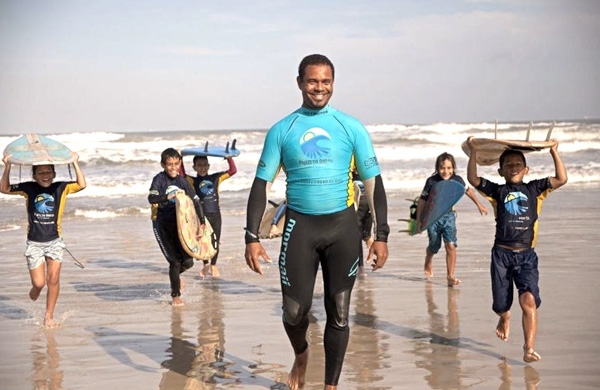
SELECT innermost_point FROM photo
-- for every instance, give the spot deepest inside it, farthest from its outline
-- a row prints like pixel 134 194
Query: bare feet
pixel 177 301
pixel 428 268
pixel 296 377
pixel 503 327
pixel 34 293
pixel 452 281
pixel 214 271
pixel 205 271
pixel 530 355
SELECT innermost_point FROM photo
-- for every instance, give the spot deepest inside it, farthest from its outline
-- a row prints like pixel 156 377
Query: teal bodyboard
pixel 442 197
pixel 34 149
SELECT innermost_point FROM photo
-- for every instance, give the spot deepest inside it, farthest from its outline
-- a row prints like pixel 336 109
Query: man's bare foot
pixel 205 271
pixel 530 355
pixel 452 281
pixel 214 271
pixel 503 327
pixel 427 268
pixel 298 373
pixel 34 293
pixel 177 301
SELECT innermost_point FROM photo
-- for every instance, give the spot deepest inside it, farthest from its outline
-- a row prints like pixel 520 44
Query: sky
pixel 129 65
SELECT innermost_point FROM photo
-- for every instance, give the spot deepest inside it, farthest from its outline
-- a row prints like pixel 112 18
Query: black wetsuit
pixel 164 224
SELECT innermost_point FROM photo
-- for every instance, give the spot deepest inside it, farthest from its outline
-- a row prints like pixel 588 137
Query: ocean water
pixel 119 166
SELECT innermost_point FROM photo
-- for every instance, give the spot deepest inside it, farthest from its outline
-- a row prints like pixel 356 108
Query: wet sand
pixel 119 331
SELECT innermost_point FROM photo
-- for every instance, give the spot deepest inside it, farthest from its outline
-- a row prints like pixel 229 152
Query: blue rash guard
pixel 321 147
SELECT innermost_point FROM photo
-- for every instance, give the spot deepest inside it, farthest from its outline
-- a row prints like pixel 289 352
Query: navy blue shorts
pixel 508 267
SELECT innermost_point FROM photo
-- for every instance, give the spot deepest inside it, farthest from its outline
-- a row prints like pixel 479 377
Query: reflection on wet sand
pixel 366 353
pixel 530 376
pixel 438 353
pixel 46 372
pixel 191 366
pixel 211 338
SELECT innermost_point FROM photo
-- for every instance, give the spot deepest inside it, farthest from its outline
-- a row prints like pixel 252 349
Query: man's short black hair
pixel 314 59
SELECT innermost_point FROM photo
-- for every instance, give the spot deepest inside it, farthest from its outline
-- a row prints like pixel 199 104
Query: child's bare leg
pixel 451 264
pixel 530 319
pixel 38 281
pixel 53 282
pixel 298 373
pixel 428 267
pixel 205 270
pixel 214 271
pixel 503 327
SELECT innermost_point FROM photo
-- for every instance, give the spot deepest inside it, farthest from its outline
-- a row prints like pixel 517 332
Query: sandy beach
pixel 119 331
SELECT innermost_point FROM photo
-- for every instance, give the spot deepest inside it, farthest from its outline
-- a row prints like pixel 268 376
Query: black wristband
pixel 250 237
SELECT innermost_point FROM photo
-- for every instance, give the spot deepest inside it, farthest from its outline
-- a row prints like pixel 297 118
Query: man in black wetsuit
pixel 318 147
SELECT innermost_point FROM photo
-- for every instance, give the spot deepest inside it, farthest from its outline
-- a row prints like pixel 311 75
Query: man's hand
pixel 378 254
pixel 255 251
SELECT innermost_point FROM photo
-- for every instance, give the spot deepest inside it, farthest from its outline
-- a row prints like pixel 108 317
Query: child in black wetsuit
pixel 164 220
pixel 207 187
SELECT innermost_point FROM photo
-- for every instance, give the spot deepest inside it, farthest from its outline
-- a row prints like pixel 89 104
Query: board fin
pixel 496 129
pixel 528 131
pixel 227 147
pixel 550 131
pixel 233 144
pixel 206 147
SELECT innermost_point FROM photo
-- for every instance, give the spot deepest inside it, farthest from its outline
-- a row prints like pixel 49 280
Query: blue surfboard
pixel 442 197
pixel 213 151
pixel 34 149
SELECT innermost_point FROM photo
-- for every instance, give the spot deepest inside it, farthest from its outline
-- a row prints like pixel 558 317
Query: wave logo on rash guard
pixel 44 203
pixel 206 187
pixel 314 142
pixel 170 190
pixel 512 203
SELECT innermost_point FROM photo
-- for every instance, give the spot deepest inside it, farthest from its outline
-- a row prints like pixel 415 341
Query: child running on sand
pixel 164 220
pixel 445 227
pixel 207 187
pixel 517 206
pixel 45 201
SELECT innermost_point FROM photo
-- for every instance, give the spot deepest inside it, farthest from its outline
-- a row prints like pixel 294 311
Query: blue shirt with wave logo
pixel 317 149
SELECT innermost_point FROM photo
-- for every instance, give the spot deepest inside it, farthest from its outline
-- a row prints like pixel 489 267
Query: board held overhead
pixel 34 149
pixel 213 151
pixel 490 149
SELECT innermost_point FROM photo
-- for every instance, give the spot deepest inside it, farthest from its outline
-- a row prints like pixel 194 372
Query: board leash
pixel 77 262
